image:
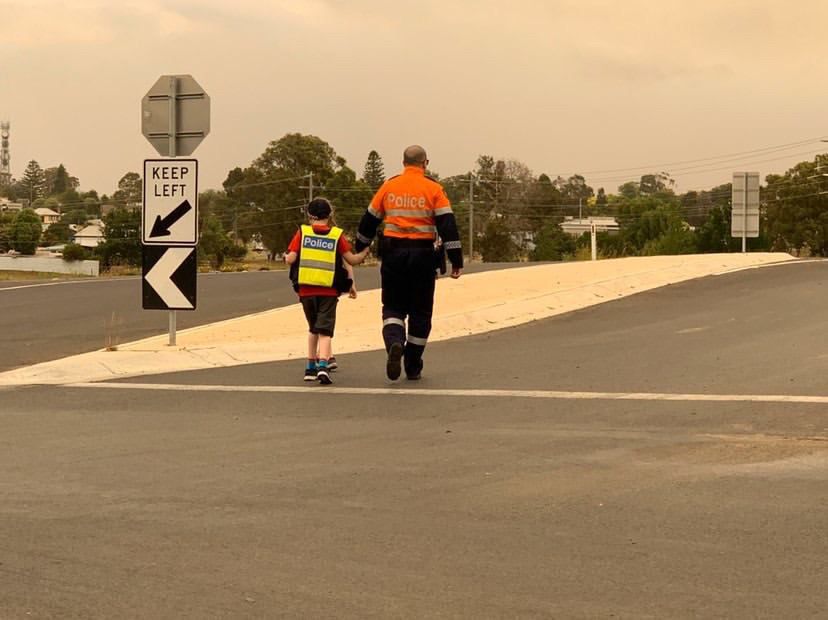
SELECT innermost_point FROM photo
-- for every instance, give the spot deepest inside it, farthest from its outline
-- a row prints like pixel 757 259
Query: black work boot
pixel 413 361
pixel 393 367
pixel 414 370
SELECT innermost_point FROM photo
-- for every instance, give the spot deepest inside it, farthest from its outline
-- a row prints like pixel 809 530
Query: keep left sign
pixel 170 215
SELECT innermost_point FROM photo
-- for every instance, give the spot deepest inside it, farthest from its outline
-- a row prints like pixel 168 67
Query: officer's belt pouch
pixel 382 245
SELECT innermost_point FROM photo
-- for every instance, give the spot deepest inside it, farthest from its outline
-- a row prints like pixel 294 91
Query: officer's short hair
pixel 414 154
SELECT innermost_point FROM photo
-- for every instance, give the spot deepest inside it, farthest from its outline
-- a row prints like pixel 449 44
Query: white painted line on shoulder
pixel 396 391
pixel 118 279
pixel 65 283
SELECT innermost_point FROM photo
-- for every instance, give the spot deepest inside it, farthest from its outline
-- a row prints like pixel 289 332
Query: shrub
pixel 73 252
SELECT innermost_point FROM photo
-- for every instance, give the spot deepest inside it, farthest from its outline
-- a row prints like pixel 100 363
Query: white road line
pixel 395 391
pixel 118 279
pixel 64 283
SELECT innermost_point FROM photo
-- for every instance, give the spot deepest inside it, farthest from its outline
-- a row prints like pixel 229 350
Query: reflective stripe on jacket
pixel 408 203
pixel 317 256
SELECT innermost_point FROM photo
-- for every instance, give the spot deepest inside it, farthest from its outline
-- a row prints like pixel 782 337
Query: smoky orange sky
pixel 609 89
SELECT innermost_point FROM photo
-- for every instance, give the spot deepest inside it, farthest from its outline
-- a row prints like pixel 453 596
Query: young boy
pixel 316 254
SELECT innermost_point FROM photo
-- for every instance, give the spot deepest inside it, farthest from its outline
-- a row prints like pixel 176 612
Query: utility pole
pixel 308 187
pixel 471 217
pixel 580 212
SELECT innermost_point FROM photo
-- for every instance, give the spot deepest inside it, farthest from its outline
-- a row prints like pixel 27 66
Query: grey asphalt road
pixel 41 322
pixel 171 504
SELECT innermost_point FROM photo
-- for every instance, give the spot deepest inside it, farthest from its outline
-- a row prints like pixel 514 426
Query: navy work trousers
pixel 408 277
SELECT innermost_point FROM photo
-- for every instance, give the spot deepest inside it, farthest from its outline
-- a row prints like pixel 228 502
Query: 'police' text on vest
pixel 319 243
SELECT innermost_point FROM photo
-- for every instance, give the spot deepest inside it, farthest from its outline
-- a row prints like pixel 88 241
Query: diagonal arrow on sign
pixel 161 227
pixel 160 278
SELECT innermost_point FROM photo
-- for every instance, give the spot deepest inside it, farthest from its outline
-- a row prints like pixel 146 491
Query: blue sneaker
pixel 323 376
pixel 310 373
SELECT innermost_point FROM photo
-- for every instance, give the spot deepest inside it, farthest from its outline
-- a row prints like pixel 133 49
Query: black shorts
pixel 321 314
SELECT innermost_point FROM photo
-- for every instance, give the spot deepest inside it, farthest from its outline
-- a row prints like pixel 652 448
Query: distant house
pixel 47 216
pixel 9 206
pixel 90 236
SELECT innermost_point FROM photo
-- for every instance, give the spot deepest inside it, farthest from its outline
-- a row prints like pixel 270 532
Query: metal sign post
pixel 593 237
pixel 175 118
pixel 173 132
pixel 744 221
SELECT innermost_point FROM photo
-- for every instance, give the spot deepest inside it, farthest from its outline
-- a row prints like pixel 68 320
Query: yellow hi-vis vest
pixel 317 256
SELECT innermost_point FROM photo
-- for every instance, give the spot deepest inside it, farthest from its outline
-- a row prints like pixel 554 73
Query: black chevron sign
pixel 169 278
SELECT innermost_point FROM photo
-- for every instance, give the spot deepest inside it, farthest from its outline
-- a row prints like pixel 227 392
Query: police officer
pixel 416 212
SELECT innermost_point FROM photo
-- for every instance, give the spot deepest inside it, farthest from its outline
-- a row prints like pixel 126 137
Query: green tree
pixel 92 206
pixel 57 233
pixel 629 190
pixel 26 230
pixel 374 173
pixel 122 244
pixel 276 184
pixel 75 215
pixel 349 197
pixel 601 200
pixel 130 190
pixel 544 204
pixel 677 239
pixel 713 235
pixel 797 208
pixel 214 244
pixel 652 184
pixel 575 189
pixel 58 181
pixel 552 243
pixel 33 183
pixel 235 177
pixel 497 244
pixel 6 221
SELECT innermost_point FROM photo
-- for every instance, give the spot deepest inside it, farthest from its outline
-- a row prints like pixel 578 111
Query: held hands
pixel 456 272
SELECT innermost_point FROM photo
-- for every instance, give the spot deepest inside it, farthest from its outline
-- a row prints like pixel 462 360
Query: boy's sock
pixel 311 364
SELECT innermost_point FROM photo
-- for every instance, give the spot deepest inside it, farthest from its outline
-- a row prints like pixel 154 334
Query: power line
pixel 728 155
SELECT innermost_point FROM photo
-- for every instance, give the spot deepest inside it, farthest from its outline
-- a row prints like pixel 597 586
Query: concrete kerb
pixel 477 303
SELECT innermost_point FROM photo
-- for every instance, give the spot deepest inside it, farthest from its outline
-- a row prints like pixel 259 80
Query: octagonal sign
pixel 175 115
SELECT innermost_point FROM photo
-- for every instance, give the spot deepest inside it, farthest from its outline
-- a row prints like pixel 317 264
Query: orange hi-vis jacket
pixel 409 204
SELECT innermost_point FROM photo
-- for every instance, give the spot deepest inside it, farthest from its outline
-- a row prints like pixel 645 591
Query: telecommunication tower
pixel 5 159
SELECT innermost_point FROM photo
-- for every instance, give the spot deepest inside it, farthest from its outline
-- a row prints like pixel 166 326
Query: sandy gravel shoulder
pixel 474 304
